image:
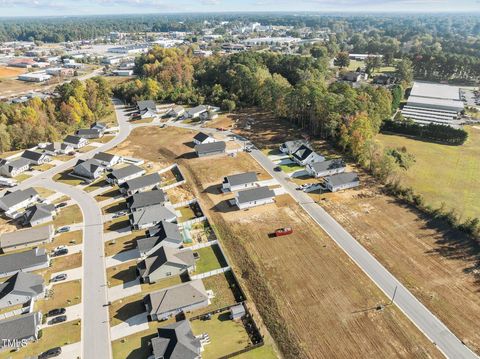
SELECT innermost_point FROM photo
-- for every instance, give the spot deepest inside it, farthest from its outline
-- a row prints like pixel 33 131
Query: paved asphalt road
pixel 427 322
pixel 96 328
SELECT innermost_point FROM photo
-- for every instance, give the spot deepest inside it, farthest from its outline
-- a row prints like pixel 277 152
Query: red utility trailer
pixel 283 231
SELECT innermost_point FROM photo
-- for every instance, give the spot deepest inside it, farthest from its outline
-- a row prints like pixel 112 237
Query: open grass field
pixel 298 283
pixel 210 258
pixel 68 215
pixel 226 336
pixel 57 336
pixel 441 173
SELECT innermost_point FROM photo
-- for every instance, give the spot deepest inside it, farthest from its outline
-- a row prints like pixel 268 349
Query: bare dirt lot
pixel 312 298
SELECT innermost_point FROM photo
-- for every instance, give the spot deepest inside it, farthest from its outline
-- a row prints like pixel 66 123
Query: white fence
pixel 203 245
pixel 192 221
pixel 184 203
pixel 211 273
pixel 173 185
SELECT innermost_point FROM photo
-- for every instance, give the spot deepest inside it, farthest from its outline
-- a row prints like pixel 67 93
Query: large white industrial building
pixel 437 103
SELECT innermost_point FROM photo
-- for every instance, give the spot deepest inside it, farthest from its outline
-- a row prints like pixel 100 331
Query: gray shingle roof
pixel 146 199
pixel 210 147
pixel 24 284
pixel 293 145
pixel 152 214
pixel 88 132
pixel 146 105
pixel 141 182
pixel 19 327
pixel 14 198
pixel 255 194
pixel 39 212
pixel 125 172
pixel 176 341
pixel 90 166
pixel 73 139
pixel 104 156
pixel 32 155
pixel 197 109
pixel 26 236
pixel 23 260
pixel 342 178
pixel 164 255
pixel 241 178
pixel 179 296
pixel 327 165
pixel 302 152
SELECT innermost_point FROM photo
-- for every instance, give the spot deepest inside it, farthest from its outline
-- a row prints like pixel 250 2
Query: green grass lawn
pixel 186 214
pixel 99 183
pixel 226 336
pixel 264 352
pixel 210 258
pixel 57 336
pixel 65 177
pixel 355 64
pixel 43 167
pixel 22 177
pixel 443 173
pixel 44 192
pixel 86 149
pixel 291 167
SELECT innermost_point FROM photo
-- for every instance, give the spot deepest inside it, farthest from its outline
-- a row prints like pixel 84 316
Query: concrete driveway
pixel 124 290
pixel 122 257
pixel 131 326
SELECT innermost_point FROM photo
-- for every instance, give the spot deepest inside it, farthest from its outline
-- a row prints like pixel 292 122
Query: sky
pixel 106 7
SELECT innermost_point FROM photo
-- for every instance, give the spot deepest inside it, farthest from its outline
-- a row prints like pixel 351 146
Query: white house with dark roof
pixel 147 108
pixel 75 141
pixel 164 234
pixel 202 137
pixel 140 201
pixel 12 168
pixel 124 174
pixel 176 340
pixel 57 148
pixel 239 181
pixel 254 197
pixel 141 184
pixel 340 181
pixel 326 168
pixel 13 201
pixel 90 169
pixel 184 297
pixel 210 149
pixel 89 133
pixel 151 216
pixel 23 327
pixel 194 112
pixel 107 159
pixel 165 262
pixel 21 288
pixel 304 155
pixel 290 147
pixel 175 111
pixel 35 158
pixel 25 238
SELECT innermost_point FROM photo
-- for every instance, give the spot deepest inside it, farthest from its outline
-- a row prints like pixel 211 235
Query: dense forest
pixel 78 104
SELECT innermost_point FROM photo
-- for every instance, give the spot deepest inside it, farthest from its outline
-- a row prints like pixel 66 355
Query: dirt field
pixel 313 299
pixel 6 71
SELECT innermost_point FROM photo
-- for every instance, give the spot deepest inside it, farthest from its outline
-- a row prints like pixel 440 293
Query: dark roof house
pixel 18 328
pixel 176 341
pixel 209 149
pixel 141 200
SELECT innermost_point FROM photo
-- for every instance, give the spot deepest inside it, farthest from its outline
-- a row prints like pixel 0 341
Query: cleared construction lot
pixel 312 298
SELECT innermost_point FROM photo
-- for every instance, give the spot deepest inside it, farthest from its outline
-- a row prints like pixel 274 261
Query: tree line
pixel 78 104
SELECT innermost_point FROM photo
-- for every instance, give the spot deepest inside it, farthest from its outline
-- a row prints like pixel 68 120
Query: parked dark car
pixel 61 205
pixel 51 353
pixel 55 312
pixel 277 169
pixel 63 229
pixel 59 277
pixel 59 319
pixel 60 252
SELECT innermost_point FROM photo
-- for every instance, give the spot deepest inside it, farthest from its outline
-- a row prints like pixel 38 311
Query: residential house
pixel 21 288
pixel 171 301
pixel 141 184
pixel 254 197
pixel 125 174
pixel 106 159
pixel 75 141
pixel 164 234
pixel 341 181
pixel 201 138
pixel 35 158
pixel 57 148
pixel 90 169
pixel 142 200
pixel 354 76
pixel 100 126
pixel 12 168
pixel 26 261
pixel 325 168
pixel 13 201
pixel 39 214
pixel 150 216
pixel 195 112
pixel 147 109
pixel 210 149
pixel 165 262
pixel 89 133
pixel 290 147
pixel 239 181
pixel 175 112
pixel 21 328
pixel 176 341
pixel 304 155
pixel 26 238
